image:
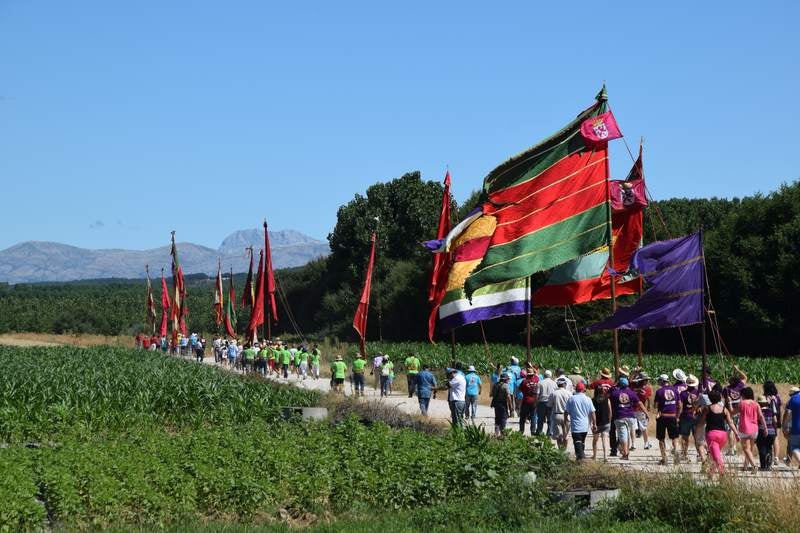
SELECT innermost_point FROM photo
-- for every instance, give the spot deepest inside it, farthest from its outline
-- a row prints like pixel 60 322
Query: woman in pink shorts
pixel 750 419
pixel 715 417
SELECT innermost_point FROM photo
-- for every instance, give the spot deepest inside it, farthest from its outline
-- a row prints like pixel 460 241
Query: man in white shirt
pixel 558 402
pixel 456 396
pixel 546 387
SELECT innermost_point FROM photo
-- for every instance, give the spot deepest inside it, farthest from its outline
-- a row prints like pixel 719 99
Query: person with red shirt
pixel 530 396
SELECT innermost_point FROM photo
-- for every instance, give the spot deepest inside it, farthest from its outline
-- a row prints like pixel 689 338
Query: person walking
pixel 473 391
pixel 386 371
pixel 426 385
pixel 200 352
pixel 359 364
pixel 715 417
pixel 412 364
pixel 791 426
pixel 501 403
pixel 750 420
pixel 766 439
pixel 602 413
pixel 580 416
pixel 527 411
pixel 624 403
pixel 375 370
pixel 232 353
pixel 575 377
pixel 666 402
pixel 456 396
pixel 688 403
pixel 772 396
pixel 642 389
pixel 546 387
pixel 286 359
pixel 338 371
pixel 557 403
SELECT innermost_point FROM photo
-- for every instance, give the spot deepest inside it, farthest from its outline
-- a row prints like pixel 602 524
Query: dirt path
pixel 51 339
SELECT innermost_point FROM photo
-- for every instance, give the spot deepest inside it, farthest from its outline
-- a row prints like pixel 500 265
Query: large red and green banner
pixel 230 309
pixel 165 305
pixel 151 304
pixel 549 202
pixel 178 308
pixel 588 278
pixel 257 312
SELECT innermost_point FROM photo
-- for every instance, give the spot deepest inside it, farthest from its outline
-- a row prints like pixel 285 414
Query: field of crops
pixel 109 437
pixel 780 370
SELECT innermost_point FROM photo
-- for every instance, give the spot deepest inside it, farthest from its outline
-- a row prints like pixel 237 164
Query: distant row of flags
pixel 258 295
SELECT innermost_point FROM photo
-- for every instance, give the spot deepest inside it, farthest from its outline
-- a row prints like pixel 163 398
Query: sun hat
pixel 679 374
pixel 624 371
pixel 471 368
pixel 663 378
pixel 643 376
pixel 794 390
pixel 514 360
pixel 576 370
pixel 605 373
pixel 338 357
pixel 623 381
pixel 763 399
pixel 548 374
pixel 692 380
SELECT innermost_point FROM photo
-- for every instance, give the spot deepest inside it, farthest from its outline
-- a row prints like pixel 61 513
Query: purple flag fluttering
pixel 673 270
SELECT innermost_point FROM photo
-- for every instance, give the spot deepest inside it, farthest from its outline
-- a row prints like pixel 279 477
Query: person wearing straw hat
pixel 666 402
pixel 576 376
pixel 688 402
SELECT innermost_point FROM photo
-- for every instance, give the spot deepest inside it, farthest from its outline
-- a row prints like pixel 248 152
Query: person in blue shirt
pixel 513 385
pixel 793 410
pixel 426 384
pixel 232 351
pixel 579 412
pixel 473 390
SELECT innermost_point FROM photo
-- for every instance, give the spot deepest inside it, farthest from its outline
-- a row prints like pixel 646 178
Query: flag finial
pixel 602 96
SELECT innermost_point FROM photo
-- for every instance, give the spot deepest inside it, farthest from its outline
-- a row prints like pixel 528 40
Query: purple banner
pixel 673 272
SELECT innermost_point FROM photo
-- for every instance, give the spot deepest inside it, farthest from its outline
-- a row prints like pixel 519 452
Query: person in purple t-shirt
pixel 689 401
pixel 624 403
pixel 666 402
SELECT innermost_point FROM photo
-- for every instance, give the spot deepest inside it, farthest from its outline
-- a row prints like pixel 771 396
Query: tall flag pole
pixel 179 309
pixel 248 294
pixel 219 295
pixel 272 308
pixel 441 262
pixel 360 318
pixel 230 309
pixel 257 313
pixel 151 304
pixel 165 305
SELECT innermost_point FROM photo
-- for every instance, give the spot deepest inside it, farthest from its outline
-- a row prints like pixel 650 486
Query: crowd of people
pixel 715 419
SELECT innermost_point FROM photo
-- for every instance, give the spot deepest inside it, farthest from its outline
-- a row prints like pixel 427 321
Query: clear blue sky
pixel 120 121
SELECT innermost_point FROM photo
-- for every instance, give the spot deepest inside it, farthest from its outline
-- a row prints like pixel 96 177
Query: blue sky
pixel 120 121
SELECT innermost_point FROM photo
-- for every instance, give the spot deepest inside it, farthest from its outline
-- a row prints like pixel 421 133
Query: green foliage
pixel 46 391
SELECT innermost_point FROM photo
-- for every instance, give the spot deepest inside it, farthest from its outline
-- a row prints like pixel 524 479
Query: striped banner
pixel 491 301
pixel 550 205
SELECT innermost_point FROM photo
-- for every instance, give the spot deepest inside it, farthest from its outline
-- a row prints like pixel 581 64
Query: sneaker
pixel 633 447
pixel 662 462
pixel 648 446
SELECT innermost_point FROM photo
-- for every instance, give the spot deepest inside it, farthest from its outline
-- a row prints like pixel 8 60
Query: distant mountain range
pixel 35 261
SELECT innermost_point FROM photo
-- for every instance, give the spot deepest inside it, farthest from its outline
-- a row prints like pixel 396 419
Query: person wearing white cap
pixel 689 401
pixel 680 380
pixel 473 391
pixel 558 403
pixel 666 402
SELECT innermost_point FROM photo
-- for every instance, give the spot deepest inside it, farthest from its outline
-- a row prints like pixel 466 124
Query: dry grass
pixel 51 339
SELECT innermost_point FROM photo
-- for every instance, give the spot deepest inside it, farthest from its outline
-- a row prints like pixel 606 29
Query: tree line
pixel 752 248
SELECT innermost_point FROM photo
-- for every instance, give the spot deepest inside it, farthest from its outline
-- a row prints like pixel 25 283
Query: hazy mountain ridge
pixel 34 261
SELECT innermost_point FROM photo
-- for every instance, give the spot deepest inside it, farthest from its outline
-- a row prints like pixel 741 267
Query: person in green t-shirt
pixel 358 374
pixel 413 365
pixel 248 357
pixel 387 373
pixel 286 358
pixel 270 359
pixel 338 372
pixel 315 357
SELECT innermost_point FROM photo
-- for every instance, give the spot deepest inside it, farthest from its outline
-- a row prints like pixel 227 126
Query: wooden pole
pixel 703 325
pixel 453 348
pixel 640 333
pixel 528 320
pixel 611 263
